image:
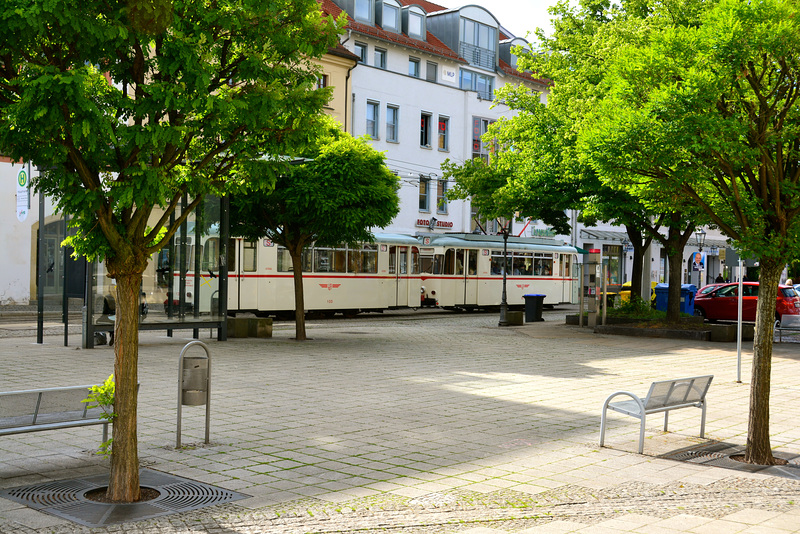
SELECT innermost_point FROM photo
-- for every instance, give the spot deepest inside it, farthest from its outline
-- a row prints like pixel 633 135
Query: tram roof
pixel 396 239
pixel 495 242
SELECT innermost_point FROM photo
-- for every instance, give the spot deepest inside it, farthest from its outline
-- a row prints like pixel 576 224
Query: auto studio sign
pixel 23 195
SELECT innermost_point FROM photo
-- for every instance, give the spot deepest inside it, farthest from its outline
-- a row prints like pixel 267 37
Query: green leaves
pixel 133 103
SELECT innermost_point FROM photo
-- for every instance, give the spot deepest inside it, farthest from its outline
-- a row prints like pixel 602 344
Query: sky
pixel 517 16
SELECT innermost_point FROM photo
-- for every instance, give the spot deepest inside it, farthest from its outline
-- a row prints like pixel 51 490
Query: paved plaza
pixel 421 423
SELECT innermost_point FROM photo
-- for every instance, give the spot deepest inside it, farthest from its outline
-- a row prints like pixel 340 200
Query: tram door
pixel 242 281
pixel 398 266
pixel 471 277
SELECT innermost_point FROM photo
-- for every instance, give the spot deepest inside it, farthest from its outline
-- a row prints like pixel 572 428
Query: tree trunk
pixel 674 245
pixel 758 449
pixel 124 481
pixel 637 268
pixel 296 254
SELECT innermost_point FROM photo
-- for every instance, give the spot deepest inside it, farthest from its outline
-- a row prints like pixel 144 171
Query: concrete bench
pixel 663 396
pixel 790 323
pixel 36 410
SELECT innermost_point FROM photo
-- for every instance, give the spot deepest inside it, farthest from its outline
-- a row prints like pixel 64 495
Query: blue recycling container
pixel 688 292
pixel 662 296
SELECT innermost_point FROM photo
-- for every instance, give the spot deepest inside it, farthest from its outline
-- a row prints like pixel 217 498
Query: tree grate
pixel 66 498
pixel 718 454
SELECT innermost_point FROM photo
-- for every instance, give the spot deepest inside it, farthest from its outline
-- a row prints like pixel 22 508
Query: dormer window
pixel 416 25
pixel 363 11
pixel 478 43
pixel 391 18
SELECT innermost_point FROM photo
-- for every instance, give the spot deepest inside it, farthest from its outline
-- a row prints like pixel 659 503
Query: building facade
pixel 423 92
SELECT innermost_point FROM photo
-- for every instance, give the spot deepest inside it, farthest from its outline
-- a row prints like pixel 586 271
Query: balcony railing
pixel 477 56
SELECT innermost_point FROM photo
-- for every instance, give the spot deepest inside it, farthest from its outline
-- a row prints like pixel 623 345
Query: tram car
pixel 451 271
pixel 466 271
pixel 370 277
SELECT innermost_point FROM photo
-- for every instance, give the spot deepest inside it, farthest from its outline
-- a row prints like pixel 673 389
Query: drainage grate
pixel 66 498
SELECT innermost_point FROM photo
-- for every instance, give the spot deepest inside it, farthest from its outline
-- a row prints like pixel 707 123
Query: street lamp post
pixel 504 300
pixel 700 239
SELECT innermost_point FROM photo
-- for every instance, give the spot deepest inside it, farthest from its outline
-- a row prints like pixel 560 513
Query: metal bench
pixel 36 410
pixel 790 323
pixel 663 396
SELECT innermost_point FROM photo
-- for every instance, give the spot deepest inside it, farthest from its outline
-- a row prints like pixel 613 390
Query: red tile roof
pixel 511 71
pixel 432 45
pixel 429 7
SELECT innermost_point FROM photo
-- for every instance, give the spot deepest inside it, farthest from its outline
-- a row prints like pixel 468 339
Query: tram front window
pixel 426 264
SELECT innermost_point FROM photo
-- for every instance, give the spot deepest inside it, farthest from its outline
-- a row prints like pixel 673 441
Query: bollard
pixel 194 385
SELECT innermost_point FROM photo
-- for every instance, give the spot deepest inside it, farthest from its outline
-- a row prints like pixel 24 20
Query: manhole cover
pixel 66 498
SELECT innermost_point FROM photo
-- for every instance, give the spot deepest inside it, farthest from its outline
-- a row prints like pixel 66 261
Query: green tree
pixel 134 104
pixel 340 191
pixel 710 111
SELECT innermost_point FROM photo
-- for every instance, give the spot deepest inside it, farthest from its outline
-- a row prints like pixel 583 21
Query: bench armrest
pixel 633 396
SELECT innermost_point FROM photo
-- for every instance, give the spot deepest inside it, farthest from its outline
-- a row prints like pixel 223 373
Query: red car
pixel 719 302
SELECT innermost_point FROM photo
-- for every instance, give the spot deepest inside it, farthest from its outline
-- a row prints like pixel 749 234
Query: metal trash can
pixel 533 308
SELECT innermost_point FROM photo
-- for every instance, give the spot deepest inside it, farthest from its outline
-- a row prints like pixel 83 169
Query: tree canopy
pixel 130 105
pixel 707 111
pixel 339 190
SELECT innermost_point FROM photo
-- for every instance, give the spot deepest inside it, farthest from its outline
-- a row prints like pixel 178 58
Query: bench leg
pixel 641 435
pixel 603 425
pixel 666 420
pixel 703 421
pixel 105 432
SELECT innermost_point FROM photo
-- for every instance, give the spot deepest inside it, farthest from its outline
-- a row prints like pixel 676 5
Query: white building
pixel 423 91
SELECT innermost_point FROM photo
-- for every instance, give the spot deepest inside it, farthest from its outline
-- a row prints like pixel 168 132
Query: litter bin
pixel 662 296
pixel 533 308
pixel 688 292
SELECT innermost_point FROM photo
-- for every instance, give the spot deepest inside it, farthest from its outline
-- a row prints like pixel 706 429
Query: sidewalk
pixel 422 424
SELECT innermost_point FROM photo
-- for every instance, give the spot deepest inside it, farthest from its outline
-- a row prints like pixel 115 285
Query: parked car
pixel 719 302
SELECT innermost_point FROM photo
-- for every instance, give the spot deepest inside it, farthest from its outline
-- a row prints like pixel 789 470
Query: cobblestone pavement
pixel 420 423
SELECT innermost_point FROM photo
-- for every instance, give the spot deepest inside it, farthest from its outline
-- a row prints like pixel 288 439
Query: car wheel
pixel 698 312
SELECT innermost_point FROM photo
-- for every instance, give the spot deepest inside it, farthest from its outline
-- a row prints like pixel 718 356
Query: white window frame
pixel 414 63
pixel 373 108
pixel 380 58
pixel 425 129
pixel 443 135
pixel 392 135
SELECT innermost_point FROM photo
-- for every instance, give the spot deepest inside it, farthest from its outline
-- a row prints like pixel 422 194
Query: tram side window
pixel 522 263
pixel 249 256
pixel 414 260
pixel 392 260
pixel 369 259
pixel 328 260
pixel 210 261
pixel 498 262
pixel 472 262
pixel 307 259
pixel 543 264
pixel 449 261
pixel 284 260
pixel 354 261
